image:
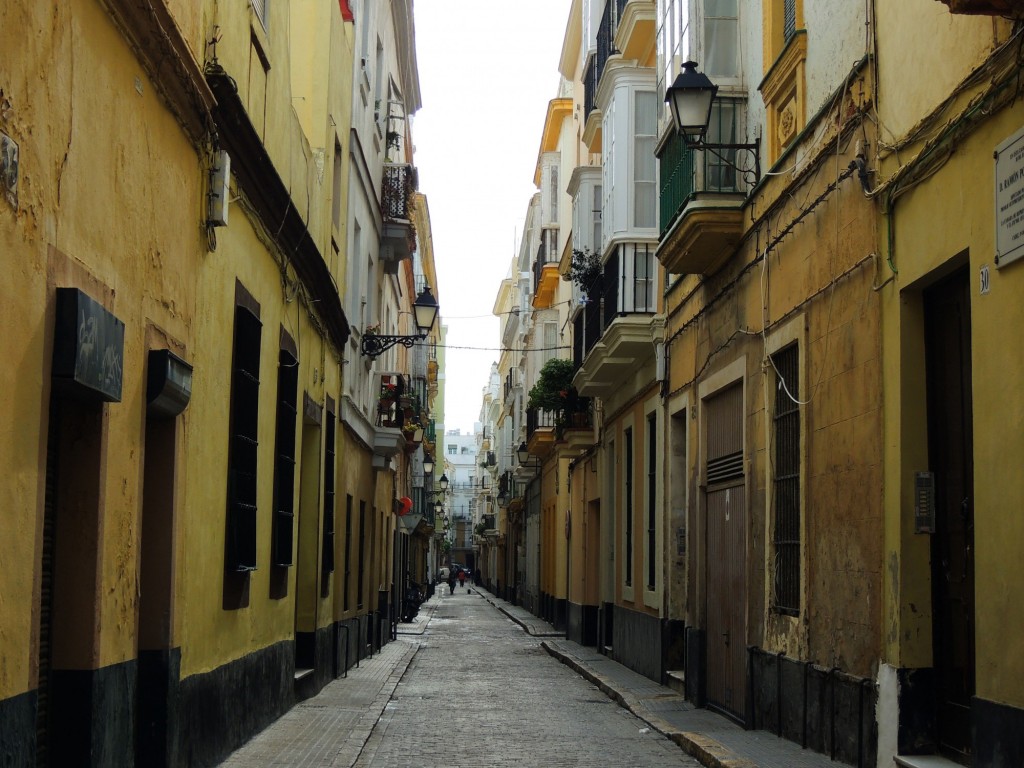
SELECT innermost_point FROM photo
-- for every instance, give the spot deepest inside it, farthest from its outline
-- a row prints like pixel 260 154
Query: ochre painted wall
pixel 100 156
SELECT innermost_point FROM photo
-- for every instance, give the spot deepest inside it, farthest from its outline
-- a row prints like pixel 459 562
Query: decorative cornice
pixel 780 71
pixel 258 179
pixel 155 39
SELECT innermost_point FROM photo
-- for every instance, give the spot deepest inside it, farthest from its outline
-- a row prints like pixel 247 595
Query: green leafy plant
pixel 554 392
pixel 585 271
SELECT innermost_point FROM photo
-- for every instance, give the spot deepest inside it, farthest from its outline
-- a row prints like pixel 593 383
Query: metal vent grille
pixel 725 468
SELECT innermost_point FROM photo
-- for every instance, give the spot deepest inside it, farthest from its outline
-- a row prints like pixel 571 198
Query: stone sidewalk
pixel 331 729
pixel 714 740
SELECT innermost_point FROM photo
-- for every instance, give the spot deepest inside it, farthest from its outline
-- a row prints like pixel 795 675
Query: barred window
pixel 628 504
pixel 283 526
pixel 327 555
pixel 240 550
pixel 788 19
pixel 652 500
pixel 786 480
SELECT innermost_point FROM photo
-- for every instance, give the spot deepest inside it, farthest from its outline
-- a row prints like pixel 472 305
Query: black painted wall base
pixel 92 717
pixel 821 709
pixel 559 611
pixel 18 730
pixel 696 666
pixel 673 645
pixel 581 624
pixel 316 652
pixel 916 728
pixel 998 734
pixel 553 610
pixel 605 626
pixel 220 710
pixel 156 735
pixel 637 642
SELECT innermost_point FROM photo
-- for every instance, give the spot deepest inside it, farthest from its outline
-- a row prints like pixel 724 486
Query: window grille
pixel 788 19
pixel 327 556
pixel 628 503
pixel 652 499
pixel 284 464
pixel 348 549
pixel 360 574
pixel 786 483
pixel 242 461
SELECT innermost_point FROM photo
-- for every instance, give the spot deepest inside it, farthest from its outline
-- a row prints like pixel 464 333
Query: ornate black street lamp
pixel 425 310
pixel 690 100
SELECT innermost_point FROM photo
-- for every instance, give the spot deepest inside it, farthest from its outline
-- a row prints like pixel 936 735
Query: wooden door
pixel 725 511
pixel 950 457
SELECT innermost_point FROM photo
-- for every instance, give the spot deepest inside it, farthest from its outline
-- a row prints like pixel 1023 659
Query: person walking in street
pixel 451 582
pixel 462 578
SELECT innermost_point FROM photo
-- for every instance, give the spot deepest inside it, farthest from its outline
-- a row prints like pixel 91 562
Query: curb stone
pixel 707 751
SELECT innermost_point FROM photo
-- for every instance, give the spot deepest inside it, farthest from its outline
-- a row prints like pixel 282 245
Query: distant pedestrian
pixel 462 578
pixel 451 582
pixel 476 577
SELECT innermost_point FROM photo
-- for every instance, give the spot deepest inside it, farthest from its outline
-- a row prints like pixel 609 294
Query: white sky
pixel 488 69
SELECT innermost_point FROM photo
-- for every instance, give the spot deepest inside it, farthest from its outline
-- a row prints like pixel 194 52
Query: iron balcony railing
pixel 605 48
pixel 397 190
pixel 628 287
pixel 546 254
pixel 538 418
pixel 685 173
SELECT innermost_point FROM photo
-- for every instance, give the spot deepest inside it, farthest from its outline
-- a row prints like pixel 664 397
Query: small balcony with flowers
pixel 399 418
pixel 702 195
pixel 616 328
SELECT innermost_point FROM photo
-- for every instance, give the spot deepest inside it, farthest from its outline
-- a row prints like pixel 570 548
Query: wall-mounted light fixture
pixel 428 464
pixel 425 310
pixel 690 99
pixel 526 459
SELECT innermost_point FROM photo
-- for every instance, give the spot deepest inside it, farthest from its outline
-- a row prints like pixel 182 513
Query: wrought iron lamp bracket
pixel 373 345
pixel 750 175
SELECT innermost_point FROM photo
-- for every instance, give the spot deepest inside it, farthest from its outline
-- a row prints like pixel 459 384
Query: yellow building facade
pixel 948 181
pixel 201 539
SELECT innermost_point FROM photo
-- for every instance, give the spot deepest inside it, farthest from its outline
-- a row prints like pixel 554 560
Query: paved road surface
pixel 482 692
pixel 467 689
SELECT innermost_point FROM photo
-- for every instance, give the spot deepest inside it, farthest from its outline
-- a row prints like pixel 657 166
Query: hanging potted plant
pixel 412 431
pixel 387 395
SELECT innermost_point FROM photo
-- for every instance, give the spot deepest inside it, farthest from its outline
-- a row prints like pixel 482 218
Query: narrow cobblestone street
pixel 479 691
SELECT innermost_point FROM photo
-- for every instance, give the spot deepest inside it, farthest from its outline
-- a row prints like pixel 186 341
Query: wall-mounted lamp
pixel 425 310
pixel 525 457
pixel 428 464
pixel 690 99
